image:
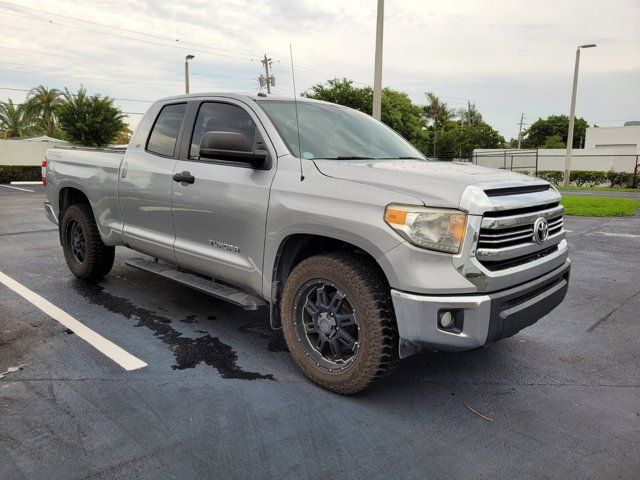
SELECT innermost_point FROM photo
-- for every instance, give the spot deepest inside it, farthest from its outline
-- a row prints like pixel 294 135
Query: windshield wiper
pixel 404 158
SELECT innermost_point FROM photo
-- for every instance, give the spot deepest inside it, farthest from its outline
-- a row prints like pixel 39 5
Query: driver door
pixel 220 218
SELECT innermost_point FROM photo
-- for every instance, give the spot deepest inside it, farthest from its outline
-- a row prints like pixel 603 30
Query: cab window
pixel 223 117
pixel 164 134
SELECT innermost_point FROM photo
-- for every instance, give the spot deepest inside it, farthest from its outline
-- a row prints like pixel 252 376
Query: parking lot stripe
pixel 623 235
pixel 106 347
pixel 17 188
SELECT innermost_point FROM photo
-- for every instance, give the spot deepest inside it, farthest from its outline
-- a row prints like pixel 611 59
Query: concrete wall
pixel 18 152
pixel 603 159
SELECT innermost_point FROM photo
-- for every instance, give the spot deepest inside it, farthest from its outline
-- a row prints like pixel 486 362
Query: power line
pixel 247 56
pixel 113 98
pixel 173 84
pixel 119 64
pixel 228 79
pixel 137 32
pixel 51 22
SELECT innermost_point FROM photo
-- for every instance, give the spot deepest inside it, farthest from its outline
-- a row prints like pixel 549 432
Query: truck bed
pixel 94 172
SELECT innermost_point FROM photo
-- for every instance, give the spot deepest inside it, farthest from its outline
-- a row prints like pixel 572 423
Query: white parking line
pixel 108 348
pixel 624 235
pixel 27 183
pixel 17 188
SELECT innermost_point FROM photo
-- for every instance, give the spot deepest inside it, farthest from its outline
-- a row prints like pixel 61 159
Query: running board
pixel 210 287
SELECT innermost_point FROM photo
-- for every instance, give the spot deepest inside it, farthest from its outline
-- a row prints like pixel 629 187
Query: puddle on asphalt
pixel 276 340
pixel 188 352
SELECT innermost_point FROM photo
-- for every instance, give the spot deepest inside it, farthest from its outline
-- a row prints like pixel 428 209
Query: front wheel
pixel 338 322
pixel 87 257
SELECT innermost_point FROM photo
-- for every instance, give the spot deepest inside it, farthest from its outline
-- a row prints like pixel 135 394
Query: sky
pixel 507 57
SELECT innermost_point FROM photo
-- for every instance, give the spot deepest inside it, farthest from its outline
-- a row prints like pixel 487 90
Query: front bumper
pixel 480 319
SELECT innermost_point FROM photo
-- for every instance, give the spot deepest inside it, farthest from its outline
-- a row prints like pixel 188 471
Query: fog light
pixel 446 320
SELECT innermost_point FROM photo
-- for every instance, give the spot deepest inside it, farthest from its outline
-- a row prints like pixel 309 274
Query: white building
pixel 623 139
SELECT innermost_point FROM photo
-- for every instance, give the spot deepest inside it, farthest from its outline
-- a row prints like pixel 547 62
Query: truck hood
pixel 436 183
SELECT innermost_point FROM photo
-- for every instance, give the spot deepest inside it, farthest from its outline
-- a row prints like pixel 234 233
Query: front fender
pixel 328 207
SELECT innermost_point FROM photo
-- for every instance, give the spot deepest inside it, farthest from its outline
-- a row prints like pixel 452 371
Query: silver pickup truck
pixel 363 250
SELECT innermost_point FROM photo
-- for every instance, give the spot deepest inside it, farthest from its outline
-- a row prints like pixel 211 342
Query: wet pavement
pixel 221 397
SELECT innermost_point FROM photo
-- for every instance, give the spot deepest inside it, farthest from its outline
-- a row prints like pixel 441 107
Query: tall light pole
pixel 186 72
pixel 572 114
pixel 377 76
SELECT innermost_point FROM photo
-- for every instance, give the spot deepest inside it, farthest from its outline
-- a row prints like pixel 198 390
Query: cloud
pixel 509 56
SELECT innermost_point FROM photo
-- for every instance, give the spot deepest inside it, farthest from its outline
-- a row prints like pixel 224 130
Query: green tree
pixel 400 113
pixel 41 106
pixel 344 93
pixel 124 136
pixel 553 141
pixel 470 115
pixel 13 120
pixel 460 140
pixel 89 120
pixel 437 111
pixel 536 135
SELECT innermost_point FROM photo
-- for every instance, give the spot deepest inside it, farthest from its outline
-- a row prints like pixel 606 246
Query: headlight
pixel 433 228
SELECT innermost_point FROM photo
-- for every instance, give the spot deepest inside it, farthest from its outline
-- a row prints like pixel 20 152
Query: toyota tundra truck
pixel 363 250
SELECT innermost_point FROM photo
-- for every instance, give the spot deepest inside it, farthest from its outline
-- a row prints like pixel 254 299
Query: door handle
pixel 123 170
pixel 184 177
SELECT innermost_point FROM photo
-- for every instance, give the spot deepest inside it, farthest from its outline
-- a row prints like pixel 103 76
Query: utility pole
pixel 468 113
pixel 186 72
pixel 266 79
pixel 520 131
pixel 377 75
pixel 572 114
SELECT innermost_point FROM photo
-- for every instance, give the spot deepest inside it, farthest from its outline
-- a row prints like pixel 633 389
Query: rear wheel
pixel 87 256
pixel 338 322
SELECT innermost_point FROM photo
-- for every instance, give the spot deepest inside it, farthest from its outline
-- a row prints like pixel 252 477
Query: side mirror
pixel 230 146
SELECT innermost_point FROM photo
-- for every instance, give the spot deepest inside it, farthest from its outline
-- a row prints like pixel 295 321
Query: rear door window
pixel 164 134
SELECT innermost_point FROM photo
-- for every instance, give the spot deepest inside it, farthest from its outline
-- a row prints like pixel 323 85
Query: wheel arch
pixel 296 247
pixel 68 196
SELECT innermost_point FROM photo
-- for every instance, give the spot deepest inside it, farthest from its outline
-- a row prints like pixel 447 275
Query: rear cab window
pixel 164 134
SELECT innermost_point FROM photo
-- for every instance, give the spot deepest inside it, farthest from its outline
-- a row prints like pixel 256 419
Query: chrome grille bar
pixel 508 236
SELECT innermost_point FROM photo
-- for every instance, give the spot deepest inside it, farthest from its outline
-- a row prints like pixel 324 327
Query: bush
pixel 552 176
pixel 589 178
pixel 20 173
pixel 622 179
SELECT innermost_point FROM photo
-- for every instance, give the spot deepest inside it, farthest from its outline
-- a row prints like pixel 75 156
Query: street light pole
pixel 186 72
pixel 572 115
pixel 377 76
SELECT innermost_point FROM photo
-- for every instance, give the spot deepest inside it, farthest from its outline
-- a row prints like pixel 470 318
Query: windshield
pixel 335 132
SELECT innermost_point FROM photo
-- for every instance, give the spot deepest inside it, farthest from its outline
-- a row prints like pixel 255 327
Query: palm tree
pixel 41 105
pixel 437 111
pixel 13 120
pixel 470 115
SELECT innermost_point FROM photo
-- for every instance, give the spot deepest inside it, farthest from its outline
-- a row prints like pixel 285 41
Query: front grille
pixel 495 265
pixel 506 237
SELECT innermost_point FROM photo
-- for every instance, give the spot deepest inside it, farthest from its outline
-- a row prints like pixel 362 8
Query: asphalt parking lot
pixel 221 397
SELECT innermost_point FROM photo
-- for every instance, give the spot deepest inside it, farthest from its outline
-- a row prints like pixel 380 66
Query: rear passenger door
pixel 220 218
pixel 144 189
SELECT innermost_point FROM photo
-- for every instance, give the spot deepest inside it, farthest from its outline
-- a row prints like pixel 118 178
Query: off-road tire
pixel 99 257
pixel 367 290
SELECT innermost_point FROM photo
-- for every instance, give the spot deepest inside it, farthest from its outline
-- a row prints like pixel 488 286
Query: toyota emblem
pixel 540 230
